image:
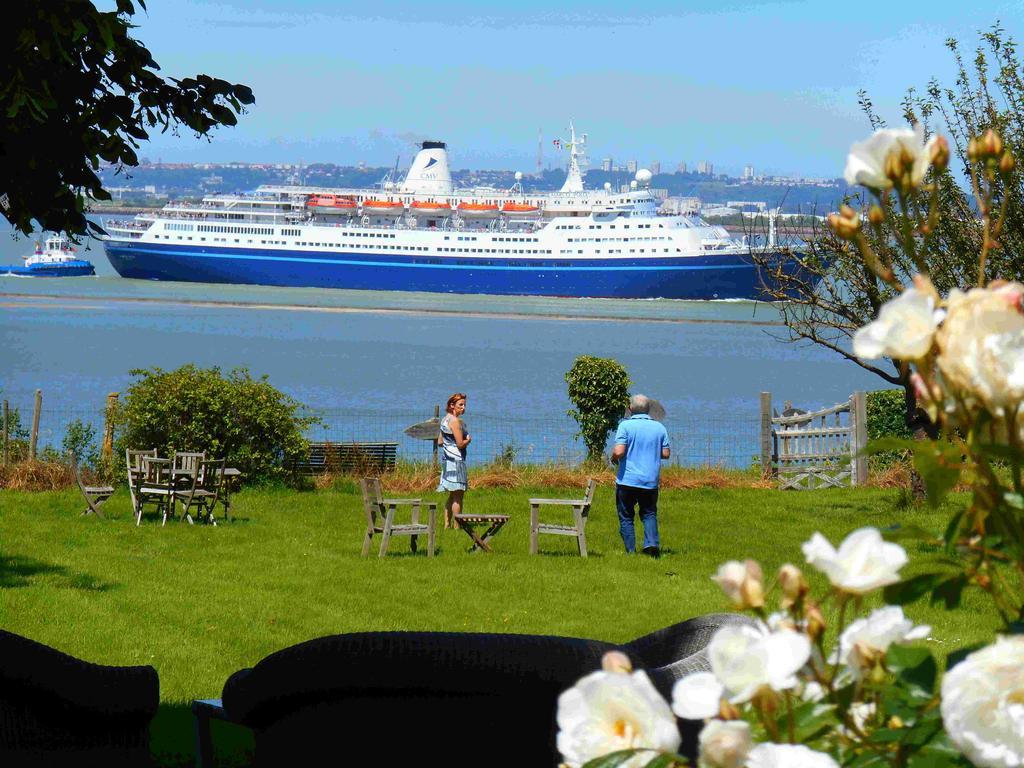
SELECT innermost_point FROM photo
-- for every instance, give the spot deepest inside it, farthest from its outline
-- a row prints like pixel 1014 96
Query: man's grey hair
pixel 639 404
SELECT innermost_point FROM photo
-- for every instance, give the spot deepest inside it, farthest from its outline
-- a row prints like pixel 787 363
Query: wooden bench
pixel 346 457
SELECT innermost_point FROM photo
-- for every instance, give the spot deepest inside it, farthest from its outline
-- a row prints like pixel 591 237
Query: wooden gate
pixel 817 449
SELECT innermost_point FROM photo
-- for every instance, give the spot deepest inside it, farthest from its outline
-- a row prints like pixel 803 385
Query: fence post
pixel 859 414
pixel 437 415
pixel 766 433
pixel 108 427
pixel 35 424
pixel 7 422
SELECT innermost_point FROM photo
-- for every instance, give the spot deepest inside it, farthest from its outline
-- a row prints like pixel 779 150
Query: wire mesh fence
pixel 697 439
pixel 56 422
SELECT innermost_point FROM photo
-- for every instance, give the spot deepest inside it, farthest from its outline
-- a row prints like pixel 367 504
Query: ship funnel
pixel 429 174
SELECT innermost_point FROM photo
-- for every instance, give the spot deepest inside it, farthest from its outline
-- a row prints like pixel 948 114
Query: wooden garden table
pixel 494 524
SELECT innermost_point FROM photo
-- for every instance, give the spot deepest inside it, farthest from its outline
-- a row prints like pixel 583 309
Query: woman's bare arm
pixel 461 440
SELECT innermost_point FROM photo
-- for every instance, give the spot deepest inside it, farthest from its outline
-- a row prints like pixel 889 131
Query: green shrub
pixel 17 436
pixel 245 420
pixel 886 412
pixel 80 439
pixel 599 388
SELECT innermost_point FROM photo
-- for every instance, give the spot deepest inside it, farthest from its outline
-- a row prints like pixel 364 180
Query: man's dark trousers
pixel 627 498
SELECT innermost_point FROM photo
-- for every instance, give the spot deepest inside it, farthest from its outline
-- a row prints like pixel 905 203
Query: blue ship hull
pixel 719 276
pixel 78 268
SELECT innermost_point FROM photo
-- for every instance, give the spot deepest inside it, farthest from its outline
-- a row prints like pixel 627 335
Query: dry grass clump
pixel 692 478
pixel 36 475
pixel 893 476
pixel 421 477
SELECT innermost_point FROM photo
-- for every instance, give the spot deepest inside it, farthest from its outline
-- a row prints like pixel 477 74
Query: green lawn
pixel 199 602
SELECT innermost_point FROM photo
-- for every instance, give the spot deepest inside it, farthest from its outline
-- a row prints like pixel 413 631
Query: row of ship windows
pixel 619 250
pixel 374 247
pixel 602 226
pixel 611 239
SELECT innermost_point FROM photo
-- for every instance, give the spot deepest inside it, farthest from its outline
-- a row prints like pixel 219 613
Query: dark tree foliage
pixel 835 293
pixel 77 90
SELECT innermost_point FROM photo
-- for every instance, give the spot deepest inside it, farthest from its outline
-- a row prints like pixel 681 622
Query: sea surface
pixel 372 363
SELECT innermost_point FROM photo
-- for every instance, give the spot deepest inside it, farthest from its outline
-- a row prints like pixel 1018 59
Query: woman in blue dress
pixel 453 439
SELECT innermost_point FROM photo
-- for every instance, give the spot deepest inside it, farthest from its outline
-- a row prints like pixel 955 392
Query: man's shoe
pixel 652 551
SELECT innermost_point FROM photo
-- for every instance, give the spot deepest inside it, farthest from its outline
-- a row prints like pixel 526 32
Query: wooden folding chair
pixel 133 462
pixel 580 514
pixel 380 518
pixel 156 484
pixel 207 485
pixel 95 495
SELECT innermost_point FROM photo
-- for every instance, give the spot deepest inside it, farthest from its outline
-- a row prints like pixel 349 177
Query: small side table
pixel 494 524
pixel 203 711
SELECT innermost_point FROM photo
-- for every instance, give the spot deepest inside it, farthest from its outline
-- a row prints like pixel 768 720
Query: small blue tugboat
pixel 56 259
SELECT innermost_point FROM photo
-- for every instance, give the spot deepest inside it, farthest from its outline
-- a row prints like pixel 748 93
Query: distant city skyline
pixel 730 83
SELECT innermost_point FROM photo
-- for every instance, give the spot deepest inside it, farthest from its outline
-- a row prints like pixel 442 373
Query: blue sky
pixel 731 82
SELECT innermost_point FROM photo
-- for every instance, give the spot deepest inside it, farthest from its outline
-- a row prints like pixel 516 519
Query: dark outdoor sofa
pixel 56 710
pixel 462 699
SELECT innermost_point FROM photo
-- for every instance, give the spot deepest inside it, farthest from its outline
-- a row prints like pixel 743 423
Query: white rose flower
pixel 866 162
pixel 742 583
pixel 611 711
pixel 863 562
pixel 866 639
pixel 788 756
pixel 983 704
pixel 904 329
pixel 724 744
pixel 981 345
pixel 745 660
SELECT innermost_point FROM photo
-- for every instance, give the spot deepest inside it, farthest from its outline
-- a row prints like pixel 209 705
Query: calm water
pixel 374 363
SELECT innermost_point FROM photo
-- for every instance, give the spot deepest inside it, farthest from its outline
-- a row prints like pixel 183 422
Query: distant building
pixel 680 206
pixel 681 168
pixel 748 172
pixel 631 166
pixel 704 168
pixel 655 168
pixel 717 211
pixel 606 165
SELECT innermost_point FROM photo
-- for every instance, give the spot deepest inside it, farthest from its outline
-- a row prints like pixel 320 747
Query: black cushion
pixel 460 696
pixel 59 710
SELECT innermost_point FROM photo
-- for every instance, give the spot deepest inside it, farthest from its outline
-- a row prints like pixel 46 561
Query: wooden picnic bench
pixel 346 457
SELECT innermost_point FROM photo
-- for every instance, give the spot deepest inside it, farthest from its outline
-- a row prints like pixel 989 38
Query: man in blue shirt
pixel 640 445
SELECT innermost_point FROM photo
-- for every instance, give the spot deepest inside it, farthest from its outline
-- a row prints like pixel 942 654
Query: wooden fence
pixel 818 449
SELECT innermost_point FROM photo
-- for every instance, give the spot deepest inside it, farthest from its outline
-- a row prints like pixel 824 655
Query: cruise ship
pixel 424 234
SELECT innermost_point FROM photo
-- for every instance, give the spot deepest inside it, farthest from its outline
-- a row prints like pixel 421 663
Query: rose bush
pixel 788 690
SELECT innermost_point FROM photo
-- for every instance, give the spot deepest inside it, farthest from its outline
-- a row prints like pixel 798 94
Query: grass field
pixel 200 602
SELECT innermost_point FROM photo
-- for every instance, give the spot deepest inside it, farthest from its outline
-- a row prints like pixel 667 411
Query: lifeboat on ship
pixel 478 210
pixel 383 208
pixel 519 209
pixel 430 208
pixel 331 205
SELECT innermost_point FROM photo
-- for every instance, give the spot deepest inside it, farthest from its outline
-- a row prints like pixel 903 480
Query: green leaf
pixel 951 530
pixel 887 444
pixel 950 591
pixel 666 760
pixel 909 590
pixel 613 759
pixel 913 665
pixel 810 720
pixel 939 465
pixel 903 532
